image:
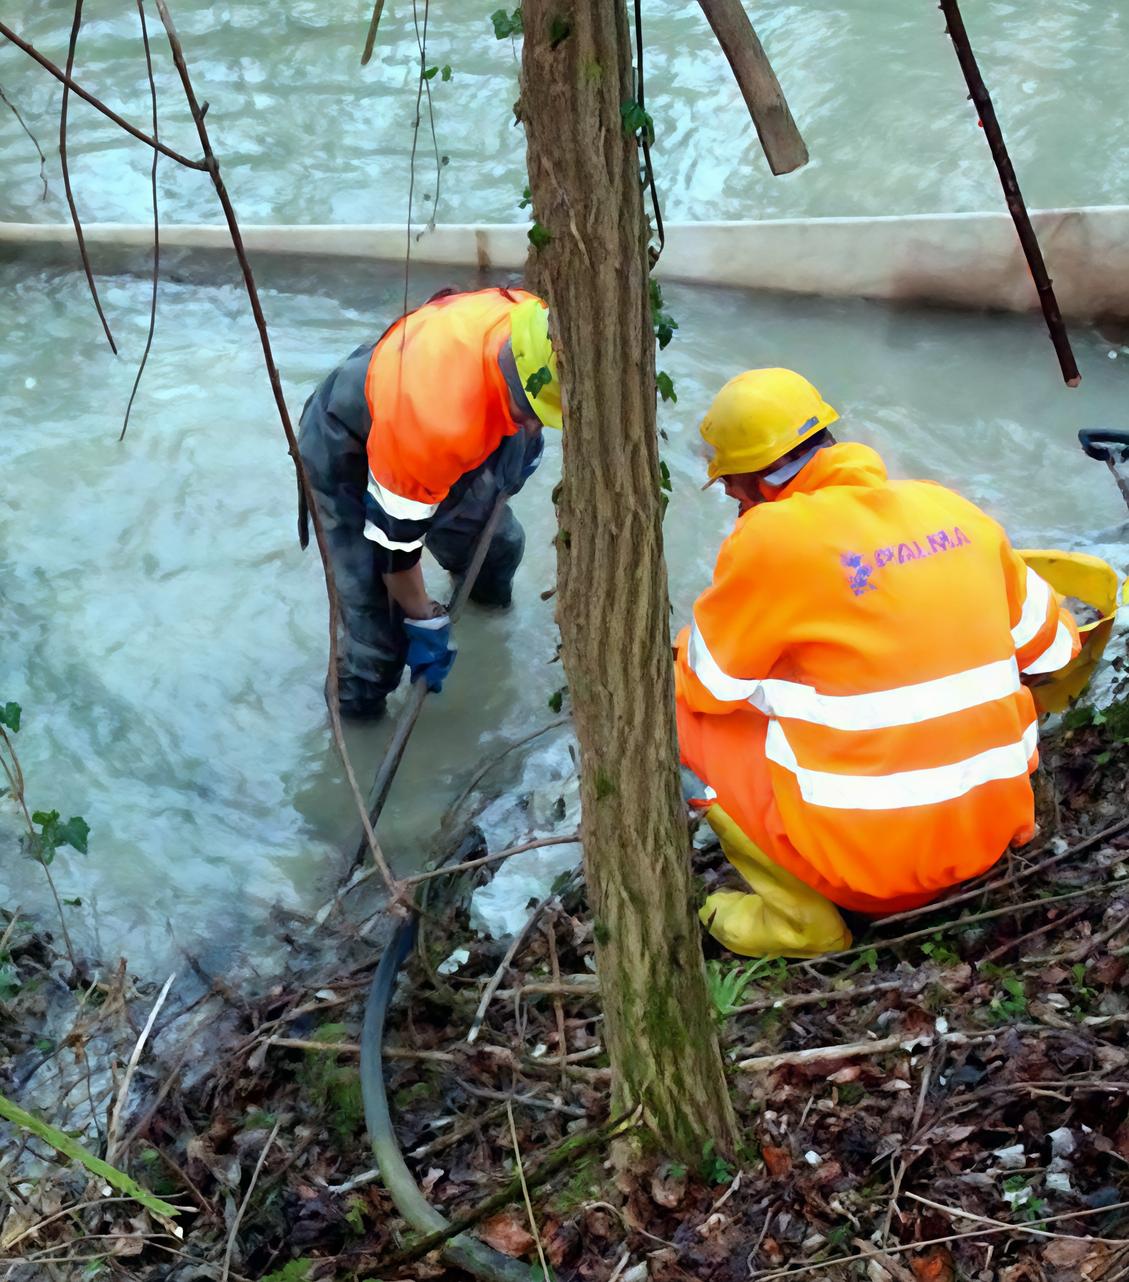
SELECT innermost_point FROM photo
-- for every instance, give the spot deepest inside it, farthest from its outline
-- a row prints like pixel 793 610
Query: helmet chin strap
pixel 772 482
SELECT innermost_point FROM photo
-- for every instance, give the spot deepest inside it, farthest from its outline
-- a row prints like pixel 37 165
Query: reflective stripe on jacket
pixel 439 407
pixel 881 627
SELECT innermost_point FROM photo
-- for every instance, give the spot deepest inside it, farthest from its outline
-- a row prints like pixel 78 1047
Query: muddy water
pixel 307 135
pixel 157 621
pixel 167 637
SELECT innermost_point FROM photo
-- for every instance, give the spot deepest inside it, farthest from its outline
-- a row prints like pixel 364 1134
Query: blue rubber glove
pixel 430 653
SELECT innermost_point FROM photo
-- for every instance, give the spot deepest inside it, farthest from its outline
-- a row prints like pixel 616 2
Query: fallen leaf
pixel 778 1161
pixel 668 1189
pixel 933 1266
pixel 431 1179
pixel 506 1234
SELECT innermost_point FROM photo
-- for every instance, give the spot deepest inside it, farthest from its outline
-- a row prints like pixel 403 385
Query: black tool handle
pixel 1098 443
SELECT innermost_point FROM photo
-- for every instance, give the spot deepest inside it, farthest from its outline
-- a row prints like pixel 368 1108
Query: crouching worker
pixel 408 445
pixel 853 687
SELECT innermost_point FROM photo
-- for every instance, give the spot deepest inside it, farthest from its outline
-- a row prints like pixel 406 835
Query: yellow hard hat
pixel 535 360
pixel 758 417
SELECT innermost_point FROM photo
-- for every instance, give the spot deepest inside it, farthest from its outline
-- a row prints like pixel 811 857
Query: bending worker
pixel 408 445
pixel 852 689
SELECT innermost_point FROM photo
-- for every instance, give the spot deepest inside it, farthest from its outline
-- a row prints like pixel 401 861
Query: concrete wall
pixel 958 260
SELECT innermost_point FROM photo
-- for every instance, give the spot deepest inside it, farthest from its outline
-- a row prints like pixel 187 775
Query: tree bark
pixel 613 607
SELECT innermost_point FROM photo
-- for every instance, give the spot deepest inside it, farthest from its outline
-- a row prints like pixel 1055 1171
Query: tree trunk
pixel 613 607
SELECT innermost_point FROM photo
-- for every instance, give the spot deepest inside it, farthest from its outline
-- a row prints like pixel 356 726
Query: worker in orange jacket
pixel 852 690
pixel 407 445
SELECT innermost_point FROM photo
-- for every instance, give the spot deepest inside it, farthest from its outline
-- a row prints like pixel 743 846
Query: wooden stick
pixel 87 96
pixel 243 1205
pixel 784 148
pixel 978 91
pixel 373 27
pixel 211 164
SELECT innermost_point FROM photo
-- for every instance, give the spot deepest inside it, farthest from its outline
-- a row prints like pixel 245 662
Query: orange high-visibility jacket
pixel 875 631
pixel 439 407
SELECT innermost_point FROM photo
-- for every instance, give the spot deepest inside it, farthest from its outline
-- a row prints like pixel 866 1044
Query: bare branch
pixel 87 96
pixel 211 164
pixel 156 223
pixel 34 140
pixel 76 25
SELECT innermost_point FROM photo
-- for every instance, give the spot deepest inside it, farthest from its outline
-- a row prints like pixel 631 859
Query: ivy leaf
pixel 536 383
pixel 526 198
pixel 637 121
pixel 666 387
pixel 506 25
pixel 664 477
pixel 73 833
pixel 539 236
pixel 556 699
pixel 447 72
pixel 10 716
pixel 431 73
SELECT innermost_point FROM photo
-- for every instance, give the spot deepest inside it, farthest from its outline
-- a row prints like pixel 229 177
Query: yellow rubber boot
pixel 783 918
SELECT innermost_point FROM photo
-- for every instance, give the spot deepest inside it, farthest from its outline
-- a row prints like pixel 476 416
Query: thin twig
pixel 961 922
pixel 32 1229
pixel 250 1187
pixel 211 164
pixel 34 140
pixel 957 1212
pixel 421 41
pixel 156 223
pixel 123 1095
pixel 558 1005
pixel 1001 883
pixel 525 1195
pixel 562 1158
pixel 87 96
pixel 95 101
pixel 999 1226
pixel 908 1042
pixel 530 1101
pixel 76 25
pixel 488 765
pixel 1058 923
pixel 570 839
pixel 497 977
pixel 412 173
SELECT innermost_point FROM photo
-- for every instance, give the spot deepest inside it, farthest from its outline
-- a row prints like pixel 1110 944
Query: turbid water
pixel 157 620
pixel 308 135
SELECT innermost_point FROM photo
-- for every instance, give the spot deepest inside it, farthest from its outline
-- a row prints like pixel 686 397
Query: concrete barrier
pixel 957 260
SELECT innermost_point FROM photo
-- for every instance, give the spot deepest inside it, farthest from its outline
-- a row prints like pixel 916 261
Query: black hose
pixel 462 1251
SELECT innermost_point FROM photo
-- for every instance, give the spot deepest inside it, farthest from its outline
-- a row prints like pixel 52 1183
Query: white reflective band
pixel 1034 613
pixel 905 788
pixel 1056 655
pixel 882 709
pixel 720 684
pixel 398 507
pixel 377 535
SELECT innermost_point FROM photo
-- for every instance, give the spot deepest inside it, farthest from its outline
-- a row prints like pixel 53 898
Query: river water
pixel 158 622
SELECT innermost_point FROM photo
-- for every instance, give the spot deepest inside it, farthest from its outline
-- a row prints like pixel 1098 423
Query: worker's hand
pixel 430 653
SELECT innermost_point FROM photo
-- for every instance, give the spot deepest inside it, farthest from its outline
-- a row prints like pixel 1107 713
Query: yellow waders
pixel 782 918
